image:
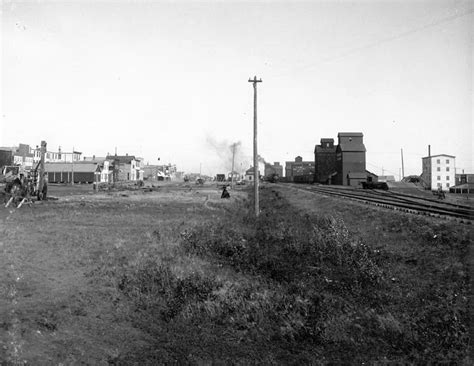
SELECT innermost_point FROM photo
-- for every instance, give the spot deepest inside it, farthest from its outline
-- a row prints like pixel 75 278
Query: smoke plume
pixel 224 150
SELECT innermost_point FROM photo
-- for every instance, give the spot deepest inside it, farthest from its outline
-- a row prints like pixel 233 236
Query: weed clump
pixel 285 252
pixel 328 289
pixel 155 288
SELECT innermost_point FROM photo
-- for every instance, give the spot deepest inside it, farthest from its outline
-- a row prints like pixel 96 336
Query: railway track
pixel 397 201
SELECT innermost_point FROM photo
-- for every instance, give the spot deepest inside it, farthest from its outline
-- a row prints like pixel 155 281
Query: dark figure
pixel 42 195
pixel 45 187
pixel 441 194
pixel 225 193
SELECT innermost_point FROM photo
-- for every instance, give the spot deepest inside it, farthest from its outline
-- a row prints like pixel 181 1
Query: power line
pixel 381 41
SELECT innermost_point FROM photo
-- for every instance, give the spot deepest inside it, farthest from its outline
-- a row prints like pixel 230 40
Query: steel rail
pixel 409 196
pixel 432 204
pixel 414 207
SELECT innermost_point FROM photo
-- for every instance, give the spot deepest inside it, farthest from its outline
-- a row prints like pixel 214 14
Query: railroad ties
pixel 398 202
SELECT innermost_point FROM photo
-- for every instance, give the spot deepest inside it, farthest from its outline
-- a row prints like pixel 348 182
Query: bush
pixel 284 252
pixel 155 288
pixel 330 289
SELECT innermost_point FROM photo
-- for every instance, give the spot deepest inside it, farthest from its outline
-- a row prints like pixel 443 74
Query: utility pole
pixel 41 169
pixel 72 166
pixel 403 169
pixel 254 81
pixel 234 145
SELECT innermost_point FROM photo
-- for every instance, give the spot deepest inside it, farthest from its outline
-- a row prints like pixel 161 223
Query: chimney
pixel 93 157
pixel 429 150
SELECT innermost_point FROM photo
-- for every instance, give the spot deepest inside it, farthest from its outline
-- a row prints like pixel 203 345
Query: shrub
pixel 155 288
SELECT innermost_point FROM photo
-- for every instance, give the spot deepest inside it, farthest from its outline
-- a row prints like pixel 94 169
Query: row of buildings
pixel 439 172
pixel 342 164
pixel 345 164
pixel 72 167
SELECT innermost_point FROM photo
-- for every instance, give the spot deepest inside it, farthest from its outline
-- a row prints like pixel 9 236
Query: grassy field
pixel 179 276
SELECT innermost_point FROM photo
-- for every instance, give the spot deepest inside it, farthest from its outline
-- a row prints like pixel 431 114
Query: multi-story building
pixel 23 156
pixel 439 171
pixel 464 178
pixel 350 159
pixel 125 167
pixel 27 157
pixel 104 168
pixel 273 169
pixel 17 155
pixel 6 157
pixel 324 161
pixel 299 168
pixel 56 156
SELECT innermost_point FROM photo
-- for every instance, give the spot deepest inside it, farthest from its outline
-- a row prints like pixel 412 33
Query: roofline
pixel 434 156
pixel 72 162
pixel 368 171
pixel 348 134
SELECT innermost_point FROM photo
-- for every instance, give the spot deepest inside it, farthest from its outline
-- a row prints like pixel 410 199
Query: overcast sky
pixel 170 79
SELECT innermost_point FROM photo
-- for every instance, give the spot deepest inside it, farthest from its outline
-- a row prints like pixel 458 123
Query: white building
pixel 56 156
pixel 439 171
pixel 104 172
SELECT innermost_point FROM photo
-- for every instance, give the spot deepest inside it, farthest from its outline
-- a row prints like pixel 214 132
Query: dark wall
pixel 349 162
pixel 66 177
pixel 6 158
pixel 325 165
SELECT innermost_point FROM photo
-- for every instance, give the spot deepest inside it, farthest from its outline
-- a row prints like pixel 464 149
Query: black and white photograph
pixel 211 182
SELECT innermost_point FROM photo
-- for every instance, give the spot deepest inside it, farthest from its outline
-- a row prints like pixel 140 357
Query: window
pixel 438 161
pixel 447 185
pixel 447 161
pixel 438 169
pixel 447 177
pixel 439 185
pixel 447 168
pixel 439 178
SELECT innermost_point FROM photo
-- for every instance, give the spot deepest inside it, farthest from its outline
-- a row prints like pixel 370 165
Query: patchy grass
pixel 180 276
pixel 354 301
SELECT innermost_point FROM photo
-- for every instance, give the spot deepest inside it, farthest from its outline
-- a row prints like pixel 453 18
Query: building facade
pixel 125 167
pixel 249 174
pixel 56 156
pixel 74 172
pixel 299 168
pixel 439 171
pixel 27 157
pixel 271 170
pixel 464 178
pixel 6 157
pixel 325 161
pixel 350 159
